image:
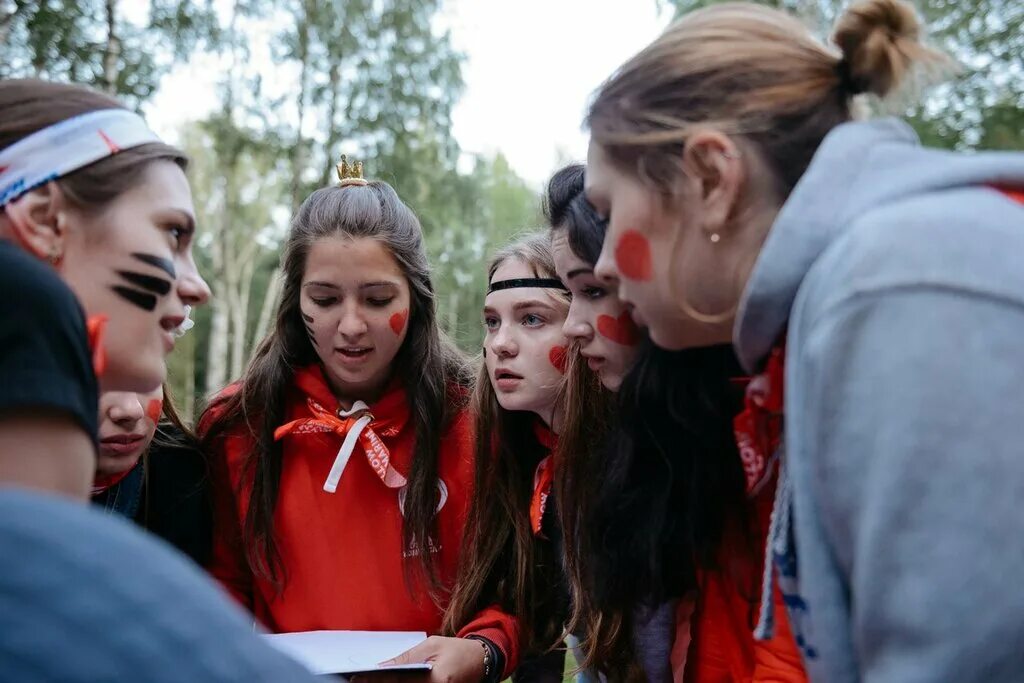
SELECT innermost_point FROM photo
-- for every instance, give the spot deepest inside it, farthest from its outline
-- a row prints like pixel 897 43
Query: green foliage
pixel 73 40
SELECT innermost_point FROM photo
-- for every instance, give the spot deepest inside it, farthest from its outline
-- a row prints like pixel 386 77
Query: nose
pixel 605 269
pixel 125 409
pixel 352 324
pixel 503 343
pixel 192 288
pixel 576 325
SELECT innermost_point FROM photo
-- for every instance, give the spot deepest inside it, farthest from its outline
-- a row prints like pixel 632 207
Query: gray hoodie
pixel 897 276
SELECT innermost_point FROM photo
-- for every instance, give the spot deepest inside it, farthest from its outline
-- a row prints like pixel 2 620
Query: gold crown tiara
pixel 350 174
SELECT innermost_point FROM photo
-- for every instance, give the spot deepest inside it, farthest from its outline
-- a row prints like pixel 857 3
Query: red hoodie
pixel 342 552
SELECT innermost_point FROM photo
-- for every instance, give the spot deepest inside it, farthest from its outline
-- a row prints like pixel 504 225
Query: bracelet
pixel 487 661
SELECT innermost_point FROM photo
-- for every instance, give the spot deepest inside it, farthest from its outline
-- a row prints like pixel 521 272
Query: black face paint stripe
pixel 309 330
pixel 156 285
pixel 159 262
pixel 134 296
pixel 311 337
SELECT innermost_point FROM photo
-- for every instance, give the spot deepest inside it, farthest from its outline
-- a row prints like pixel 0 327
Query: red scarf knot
pixel 758 427
pixel 355 425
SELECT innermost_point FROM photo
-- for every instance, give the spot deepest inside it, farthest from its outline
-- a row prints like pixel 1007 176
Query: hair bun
pixel 880 40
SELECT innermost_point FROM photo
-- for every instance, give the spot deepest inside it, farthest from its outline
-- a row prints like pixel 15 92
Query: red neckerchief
pixel 389 415
pixel 101 484
pixel 758 427
pixel 1014 193
pixel 543 478
pixel 94 327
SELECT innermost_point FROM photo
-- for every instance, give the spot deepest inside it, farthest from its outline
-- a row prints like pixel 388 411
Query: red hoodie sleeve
pixel 500 628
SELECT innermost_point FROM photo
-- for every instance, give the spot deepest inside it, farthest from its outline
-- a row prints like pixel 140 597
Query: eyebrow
pixel 576 273
pixel 165 215
pixel 365 285
pixel 381 283
pixel 532 303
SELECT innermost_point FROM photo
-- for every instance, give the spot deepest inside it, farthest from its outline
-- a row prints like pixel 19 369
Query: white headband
pixel 67 146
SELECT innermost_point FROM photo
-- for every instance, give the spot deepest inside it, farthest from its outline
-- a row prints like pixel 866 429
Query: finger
pixel 421 653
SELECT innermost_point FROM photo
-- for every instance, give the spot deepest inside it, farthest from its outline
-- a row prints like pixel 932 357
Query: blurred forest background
pixel 376 79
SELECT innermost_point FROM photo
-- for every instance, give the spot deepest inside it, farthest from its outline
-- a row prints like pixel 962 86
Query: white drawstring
pixel 348 445
pixel 776 544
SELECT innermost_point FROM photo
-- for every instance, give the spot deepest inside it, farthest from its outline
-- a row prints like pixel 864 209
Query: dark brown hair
pixel 755 72
pixel 501 560
pixel 29 105
pixel 433 372
pixel 647 491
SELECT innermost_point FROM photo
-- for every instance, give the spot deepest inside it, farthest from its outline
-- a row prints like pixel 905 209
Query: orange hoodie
pixel 342 552
pixel 722 648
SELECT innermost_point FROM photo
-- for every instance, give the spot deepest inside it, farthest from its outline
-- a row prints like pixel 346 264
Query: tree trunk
pixel 217 353
pixel 333 135
pixel 453 314
pixel 298 159
pixel 112 49
pixel 240 318
pixel 267 309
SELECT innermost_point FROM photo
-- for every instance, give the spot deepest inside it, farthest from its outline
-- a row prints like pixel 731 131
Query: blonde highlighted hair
pixel 752 71
pixel 501 561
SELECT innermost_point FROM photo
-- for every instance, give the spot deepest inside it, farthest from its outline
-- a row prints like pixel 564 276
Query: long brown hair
pixel 751 71
pixel 433 372
pixel 29 105
pixel 501 561
pixel 647 491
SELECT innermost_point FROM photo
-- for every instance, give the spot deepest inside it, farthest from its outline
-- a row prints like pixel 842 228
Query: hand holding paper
pixel 457 660
pixel 349 652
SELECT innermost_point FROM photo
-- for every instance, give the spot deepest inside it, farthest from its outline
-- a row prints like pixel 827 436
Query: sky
pixel 531 67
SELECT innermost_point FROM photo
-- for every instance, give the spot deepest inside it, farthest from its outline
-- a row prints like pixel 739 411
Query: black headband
pixel 543 282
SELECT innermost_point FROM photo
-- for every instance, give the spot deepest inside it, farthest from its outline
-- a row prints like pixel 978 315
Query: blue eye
pixel 532 320
pixel 492 323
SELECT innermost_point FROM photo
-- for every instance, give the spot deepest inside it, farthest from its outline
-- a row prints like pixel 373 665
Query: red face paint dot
pixel 558 355
pixel 633 256
pixel 621 330
pixel 94 327
pixel 153 409
pixel 397 321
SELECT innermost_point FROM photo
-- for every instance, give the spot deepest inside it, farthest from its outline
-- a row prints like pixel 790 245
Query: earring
pixel 56 257
pixel 715 238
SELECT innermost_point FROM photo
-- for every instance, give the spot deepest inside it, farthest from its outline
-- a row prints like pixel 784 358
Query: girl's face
pixel 127 425
pixel 355 306
pixel 607 335
pixel 524 346
pixel 662 259
pixel 131 262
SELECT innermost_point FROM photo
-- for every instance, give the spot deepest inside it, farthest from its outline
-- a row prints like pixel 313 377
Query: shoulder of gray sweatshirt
pixel 896 274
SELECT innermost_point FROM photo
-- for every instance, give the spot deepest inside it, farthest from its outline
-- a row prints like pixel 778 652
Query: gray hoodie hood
pixel 896 274
pixel 859 167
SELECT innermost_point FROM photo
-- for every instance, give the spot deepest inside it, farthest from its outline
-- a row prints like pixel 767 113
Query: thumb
pixel 421 653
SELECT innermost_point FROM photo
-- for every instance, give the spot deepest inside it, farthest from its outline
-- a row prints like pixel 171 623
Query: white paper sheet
pixel 348 652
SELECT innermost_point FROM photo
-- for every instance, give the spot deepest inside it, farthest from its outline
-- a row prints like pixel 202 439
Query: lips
pixel 506 380
pixel 170 324
pixel 122 444
pixel 353 355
